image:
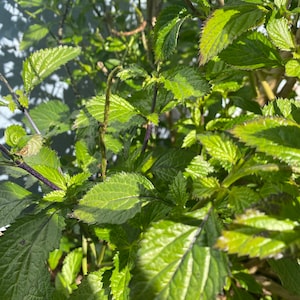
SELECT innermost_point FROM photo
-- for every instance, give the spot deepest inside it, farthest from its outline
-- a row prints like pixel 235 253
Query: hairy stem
pixel 103 126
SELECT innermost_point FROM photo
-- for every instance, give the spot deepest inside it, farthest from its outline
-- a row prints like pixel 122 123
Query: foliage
pixel 177 180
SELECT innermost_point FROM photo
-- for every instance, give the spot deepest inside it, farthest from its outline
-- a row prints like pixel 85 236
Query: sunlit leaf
pixel 225 25
pixel 13 135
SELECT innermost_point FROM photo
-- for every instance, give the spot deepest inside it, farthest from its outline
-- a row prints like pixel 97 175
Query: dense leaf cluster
pixel 182 177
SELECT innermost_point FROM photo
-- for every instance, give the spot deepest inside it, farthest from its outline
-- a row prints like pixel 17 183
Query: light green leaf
pixel 198 167
pixel 44 62
pixel 27 244
pixel 46 156
pixel 71 265
pixel 175 263
pixel 32 147
pixel 13 199
pixel 91 287
pixel 83 157
pixel 23 99
pixel 167 30
pixel 52 175
pixel 277 137
pixel 225 25
pixel 54 258
pixel 30 3
pixel 184 83
pixel 258 235
pixel 114 201
pixel 13 134
pixel 177 190
pixel 292 68
pixel 280 34
pixel 205 187
pixel 221 148
pixel 288 271
pixel 120 279
pixel 51 117
pixel 252 50
pixel 33 34
pixel 120 110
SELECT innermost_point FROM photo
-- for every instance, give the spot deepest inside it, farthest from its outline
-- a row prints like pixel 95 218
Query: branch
pixel 20 107
pixel 28 169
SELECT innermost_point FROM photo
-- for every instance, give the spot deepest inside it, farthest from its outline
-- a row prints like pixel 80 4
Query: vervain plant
pixel 183 178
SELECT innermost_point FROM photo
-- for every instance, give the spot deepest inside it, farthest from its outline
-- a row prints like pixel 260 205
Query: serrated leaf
pixel 51 117
pixel 225 25
pixel 241 198
pixel 198 167
pixel 71 265
pixel 221 148
pixel 277 137
pixel 167 30
pixel 13 134
pixel 168 164
pixel 184 83
pixel 120 110
pixel 32 147
pixel 258 235
pixel 205 187
pixel 177 191
pixel 23 99
pixel 13 200
pixel 174 263
pixel 120 279
pixel 33 34
pixel 252 50
pixel 42 63
pixel 280 34
pixel 91 287
pixel 114 201
pixel 52 175
pixel 292 68
pixel 27 244
pixel 83 157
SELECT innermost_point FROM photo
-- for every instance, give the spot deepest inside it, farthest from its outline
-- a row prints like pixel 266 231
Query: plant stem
pixel 28 169
pixel 101 254
pixel 269 93
pixel 103 126
pixel 84 263
pixel 20 107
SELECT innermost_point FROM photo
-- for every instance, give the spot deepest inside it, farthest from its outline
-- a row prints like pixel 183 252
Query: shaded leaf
pixel 33 34
pixel 252 50
pixel 27 244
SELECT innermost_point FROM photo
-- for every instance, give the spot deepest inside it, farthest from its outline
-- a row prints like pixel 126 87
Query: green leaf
pixel 280 34
pixel 258 235
pixel 27 244
pixel 51 117
pixel 13 134
pixel 44 62
pixel 23 99
pixel 277 137
pixel 174 262
pixel 292 68
pixel 205 187
pixel 114 201
pixel 33 34
pixel 71 265
pixel 13 200
pixel 288 271
pixel 177 191
pixel 30 3
pixel 120 110
pixel 221 148
pixel 167 30
pixel 120 279
pixel 83 158
pixel 225 25
pixel 251 51
pixel 32 147
pixel 184 83
pixel 91 287
pixel 241 198
pixel 168 164
pixel 198 167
